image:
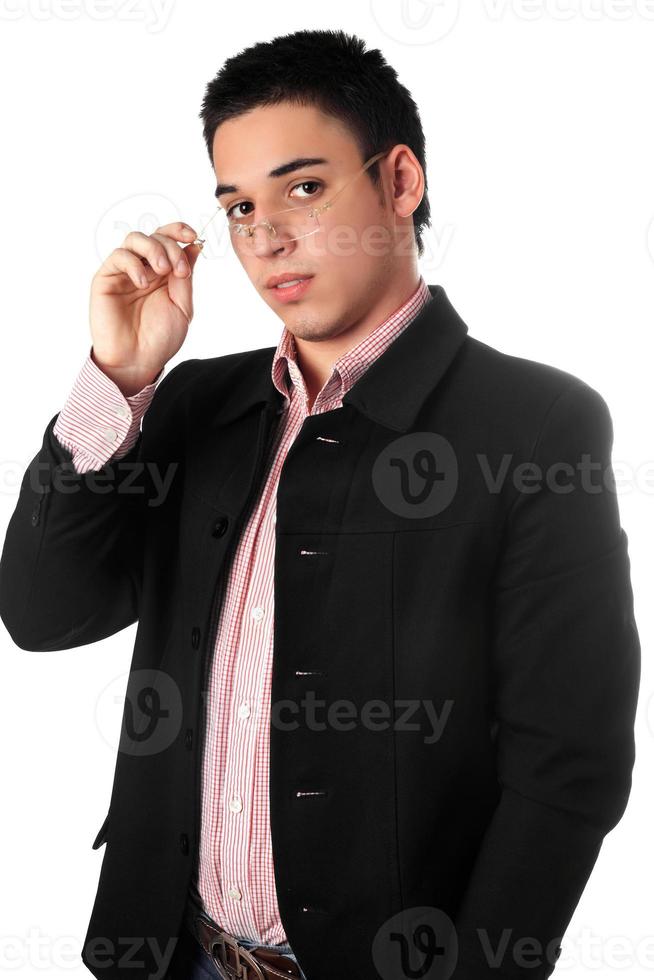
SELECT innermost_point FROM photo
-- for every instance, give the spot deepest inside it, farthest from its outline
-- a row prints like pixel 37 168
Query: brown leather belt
pixel 236 961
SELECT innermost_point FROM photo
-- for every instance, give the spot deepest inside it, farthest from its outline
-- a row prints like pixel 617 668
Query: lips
pixel 287 277
pixel 290 293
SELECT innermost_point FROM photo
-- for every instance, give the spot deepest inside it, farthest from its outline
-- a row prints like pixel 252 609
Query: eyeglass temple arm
pixel 369 163
pixel 199 240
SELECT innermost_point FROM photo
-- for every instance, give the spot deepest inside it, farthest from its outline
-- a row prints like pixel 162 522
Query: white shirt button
pixel 109 435
pixel 236 804
pixel 257 614
pixel 122 411
pixel 234 892
pixel 244 711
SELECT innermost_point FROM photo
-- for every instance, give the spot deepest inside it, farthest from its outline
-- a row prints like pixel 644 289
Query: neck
pixel 316 358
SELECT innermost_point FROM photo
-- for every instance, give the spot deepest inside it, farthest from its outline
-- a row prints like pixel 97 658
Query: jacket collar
pixel 392 389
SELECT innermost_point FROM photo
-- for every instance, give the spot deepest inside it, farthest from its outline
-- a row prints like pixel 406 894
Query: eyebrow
pixel 286 168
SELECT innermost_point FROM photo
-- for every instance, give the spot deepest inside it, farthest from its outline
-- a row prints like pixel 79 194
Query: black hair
pixel 334 72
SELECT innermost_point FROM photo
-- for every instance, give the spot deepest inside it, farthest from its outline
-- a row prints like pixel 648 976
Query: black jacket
pixel 403 577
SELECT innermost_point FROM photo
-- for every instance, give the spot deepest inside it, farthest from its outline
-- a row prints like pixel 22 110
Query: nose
pixel 262 245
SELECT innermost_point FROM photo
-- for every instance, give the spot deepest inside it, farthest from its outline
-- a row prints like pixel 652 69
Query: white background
pixel 538 118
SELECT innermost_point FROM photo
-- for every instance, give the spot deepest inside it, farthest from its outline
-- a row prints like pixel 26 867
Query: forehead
pixel 247 147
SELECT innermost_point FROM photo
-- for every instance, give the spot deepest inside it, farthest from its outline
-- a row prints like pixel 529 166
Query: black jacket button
pixel 35 514
pixel 195 637
pixel 219 527
pixel 183 843
pixel 188 741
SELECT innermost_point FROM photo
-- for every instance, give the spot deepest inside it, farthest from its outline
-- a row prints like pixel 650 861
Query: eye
pixel 243 204
pixel 304 183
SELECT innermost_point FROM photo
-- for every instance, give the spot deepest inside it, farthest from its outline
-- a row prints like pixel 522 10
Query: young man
pixel 380 712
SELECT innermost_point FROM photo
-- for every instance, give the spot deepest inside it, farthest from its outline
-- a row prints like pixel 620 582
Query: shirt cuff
pixel 98 422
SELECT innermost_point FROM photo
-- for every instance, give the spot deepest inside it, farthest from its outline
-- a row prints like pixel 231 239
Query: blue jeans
pixel 191 962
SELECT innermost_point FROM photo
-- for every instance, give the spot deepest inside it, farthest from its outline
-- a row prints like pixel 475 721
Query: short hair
pixel 334 72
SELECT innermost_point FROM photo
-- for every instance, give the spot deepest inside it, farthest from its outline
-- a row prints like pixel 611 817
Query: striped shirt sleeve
pixel 98 423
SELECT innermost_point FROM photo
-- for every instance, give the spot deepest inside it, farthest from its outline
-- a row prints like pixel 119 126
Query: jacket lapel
pixel 394 387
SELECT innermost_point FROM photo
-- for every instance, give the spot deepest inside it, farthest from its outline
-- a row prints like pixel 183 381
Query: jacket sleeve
pixel 98 423
pixel 566 665
pixel 72 560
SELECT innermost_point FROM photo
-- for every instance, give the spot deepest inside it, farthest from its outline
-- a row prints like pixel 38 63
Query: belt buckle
pixel 246 966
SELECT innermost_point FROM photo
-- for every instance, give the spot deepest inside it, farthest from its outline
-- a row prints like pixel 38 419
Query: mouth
pixel 289 287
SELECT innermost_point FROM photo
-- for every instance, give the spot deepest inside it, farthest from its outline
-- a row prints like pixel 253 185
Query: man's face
pixel 350 259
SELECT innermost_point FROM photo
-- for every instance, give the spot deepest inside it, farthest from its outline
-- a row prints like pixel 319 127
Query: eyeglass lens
pixel 282 226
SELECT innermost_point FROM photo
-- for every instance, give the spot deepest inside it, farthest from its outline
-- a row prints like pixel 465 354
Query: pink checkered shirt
pixel 235 876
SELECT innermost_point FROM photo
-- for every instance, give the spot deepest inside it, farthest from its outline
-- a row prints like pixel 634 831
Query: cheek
pixel 339 246
pixel 369 239
pixel 252 268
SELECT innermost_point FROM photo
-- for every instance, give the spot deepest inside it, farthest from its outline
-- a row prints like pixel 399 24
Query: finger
pixel 122 260
pixel 160 251
pixel 178 231
pixel 175 254
pixel 150 248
